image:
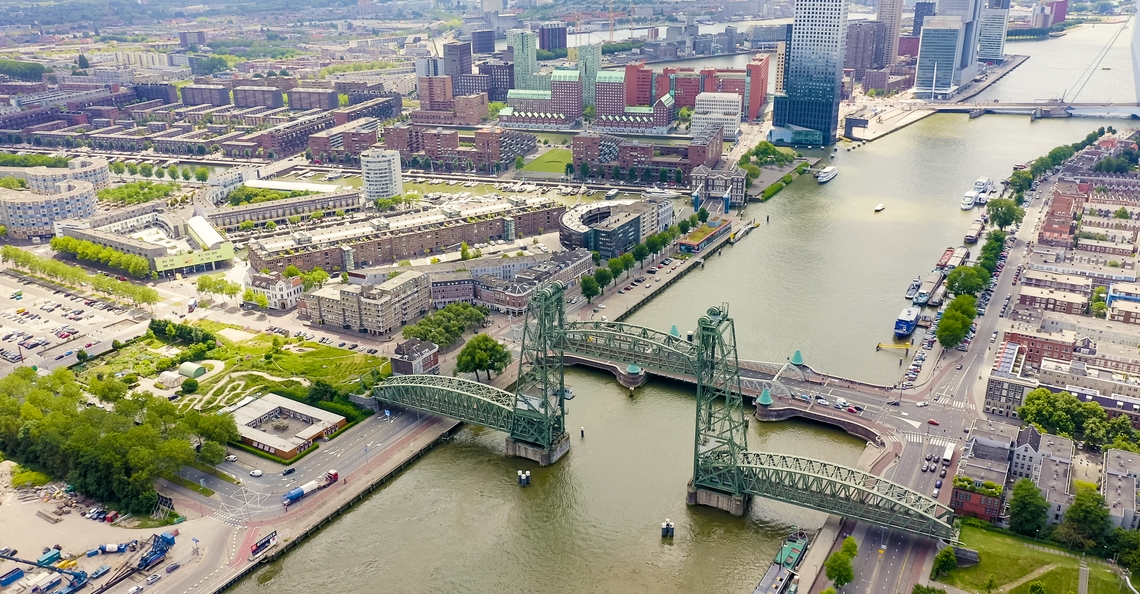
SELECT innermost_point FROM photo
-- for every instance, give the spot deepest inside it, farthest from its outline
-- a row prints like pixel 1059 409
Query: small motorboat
pixel 879 208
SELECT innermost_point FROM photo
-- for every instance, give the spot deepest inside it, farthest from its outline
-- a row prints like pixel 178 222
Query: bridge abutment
pixel 537 454
pixel 736 505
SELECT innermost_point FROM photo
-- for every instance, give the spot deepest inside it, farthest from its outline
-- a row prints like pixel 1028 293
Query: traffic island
pixel 544 457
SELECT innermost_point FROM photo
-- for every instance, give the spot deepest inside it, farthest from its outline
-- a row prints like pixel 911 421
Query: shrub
pixel 23 477
pixel 787 179
pixel 771 190
pixel 189 386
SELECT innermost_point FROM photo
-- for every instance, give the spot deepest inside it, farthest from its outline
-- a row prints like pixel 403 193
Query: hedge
pixel 771 190
pixel 271 457
pixel 787 179
pixel 802 167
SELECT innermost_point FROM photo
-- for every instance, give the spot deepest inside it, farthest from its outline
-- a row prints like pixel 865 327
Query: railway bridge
pixel 725 474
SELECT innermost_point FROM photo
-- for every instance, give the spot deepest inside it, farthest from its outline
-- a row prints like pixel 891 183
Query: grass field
pixel 554 161
pixel 1009 558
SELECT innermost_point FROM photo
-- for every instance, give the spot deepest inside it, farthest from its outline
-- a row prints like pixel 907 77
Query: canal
pixel 825 276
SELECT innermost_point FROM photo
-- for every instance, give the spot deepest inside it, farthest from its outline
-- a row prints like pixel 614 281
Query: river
pixel 825 276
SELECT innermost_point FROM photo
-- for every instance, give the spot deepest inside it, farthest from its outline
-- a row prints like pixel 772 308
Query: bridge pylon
pixel 538 431
pixel 721 429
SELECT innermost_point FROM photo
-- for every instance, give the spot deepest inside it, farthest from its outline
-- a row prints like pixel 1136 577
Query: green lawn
pixel 1007 559
pixel 554 161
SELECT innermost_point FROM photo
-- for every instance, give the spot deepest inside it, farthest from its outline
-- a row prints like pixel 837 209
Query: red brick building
pixel 1058 226
pixel 1053 300
pixel 612 157
pixel 1056 345
pixel 638 84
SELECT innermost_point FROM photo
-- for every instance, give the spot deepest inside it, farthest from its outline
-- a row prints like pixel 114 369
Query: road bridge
pixel 725 474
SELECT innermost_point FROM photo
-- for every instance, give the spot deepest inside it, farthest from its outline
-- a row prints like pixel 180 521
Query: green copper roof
pixel 639 109
pixel 765 398
pixel 564 76
pixel 797 359
pixel 527 94
pixel 611 76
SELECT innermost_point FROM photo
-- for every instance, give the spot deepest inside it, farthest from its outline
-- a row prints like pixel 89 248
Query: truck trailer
pixel 299 493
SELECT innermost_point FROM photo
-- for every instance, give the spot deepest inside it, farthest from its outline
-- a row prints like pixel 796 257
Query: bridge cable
pixel 1088 73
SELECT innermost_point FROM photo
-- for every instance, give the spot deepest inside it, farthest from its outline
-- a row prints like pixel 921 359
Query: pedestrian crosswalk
pixel 915 437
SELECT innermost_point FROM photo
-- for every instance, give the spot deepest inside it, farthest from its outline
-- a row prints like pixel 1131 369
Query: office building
pixel 890 14
pixel 970 14
pixel 866 47
pixel 428 66
pixel 500 78
pixel 306 99
pixel 756 83
pixel 552 36
pixel 216 95
pixel 589 65
pixel 188 38
pixel 939 53
pixel 717 109
pixel 456 59
pixel 524 48
pixel 483 42
pixel 557 108
pixel 372 309
pixel 992 31
pixel 813 83
pixel 492 6
pixel 781 65
pixel 381 172
pixel 921 11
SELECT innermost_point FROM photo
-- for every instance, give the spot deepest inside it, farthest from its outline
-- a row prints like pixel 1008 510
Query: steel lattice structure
pixel 535 414
pixel 843 491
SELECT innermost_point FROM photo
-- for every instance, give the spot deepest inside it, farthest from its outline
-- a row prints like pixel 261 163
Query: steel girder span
pixel 844 492
pixel 630 344
pixel 457 398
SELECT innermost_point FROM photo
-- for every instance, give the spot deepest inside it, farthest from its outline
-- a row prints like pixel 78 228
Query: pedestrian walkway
pixel 1083 584
pixel 1040 571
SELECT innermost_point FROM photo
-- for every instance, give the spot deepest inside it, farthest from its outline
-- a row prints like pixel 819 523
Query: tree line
pixel 12 160
pixel 28 71
pixel 1061 413
pixel 136 266
pixel 593 285
pixel 74 275
pixel 137 192
pixel 317 277
pixel 446 325
pixel 248 195
pixel 1022 179
pixel 111 455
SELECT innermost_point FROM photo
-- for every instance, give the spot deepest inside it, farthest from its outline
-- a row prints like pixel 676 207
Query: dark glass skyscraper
pixel 813 83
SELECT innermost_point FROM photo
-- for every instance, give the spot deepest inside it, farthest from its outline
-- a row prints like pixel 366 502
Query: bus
pixel 948 455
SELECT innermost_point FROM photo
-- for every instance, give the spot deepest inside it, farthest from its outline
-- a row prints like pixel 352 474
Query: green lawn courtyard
pixel 1010 559
pixel 553 161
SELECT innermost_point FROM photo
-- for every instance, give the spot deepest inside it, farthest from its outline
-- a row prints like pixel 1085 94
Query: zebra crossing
pixel 919 438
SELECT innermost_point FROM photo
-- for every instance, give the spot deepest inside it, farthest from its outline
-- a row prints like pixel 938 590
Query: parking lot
pixel 48 326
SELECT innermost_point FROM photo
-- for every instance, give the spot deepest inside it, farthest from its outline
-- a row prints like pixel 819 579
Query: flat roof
pixel 1057 294
pixel 205 233
pixel 288 186
pixel 253 411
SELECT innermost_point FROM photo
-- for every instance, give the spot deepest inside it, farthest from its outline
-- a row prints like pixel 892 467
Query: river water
pixel 825 276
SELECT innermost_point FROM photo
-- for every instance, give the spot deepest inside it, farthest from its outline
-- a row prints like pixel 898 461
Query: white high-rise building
pixel 970 12
pixel 991 33
pixel 717 109
pixel 382 174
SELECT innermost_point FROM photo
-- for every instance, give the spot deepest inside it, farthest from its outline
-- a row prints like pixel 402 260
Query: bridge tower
pixel 721 431
pixel 538 431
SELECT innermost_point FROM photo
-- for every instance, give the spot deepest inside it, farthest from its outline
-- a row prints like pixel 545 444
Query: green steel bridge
pixel 725 474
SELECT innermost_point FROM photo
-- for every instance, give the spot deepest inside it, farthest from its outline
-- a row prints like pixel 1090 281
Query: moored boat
pixel 907 320
pixel 781 577
pixel 913 288
pixel 827 174
pixel 946 255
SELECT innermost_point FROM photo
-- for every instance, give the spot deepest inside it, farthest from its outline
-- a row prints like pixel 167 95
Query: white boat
pixel 611 194
pixel 969 199
pixel 827 174
pixel 656 192
pixel 879 208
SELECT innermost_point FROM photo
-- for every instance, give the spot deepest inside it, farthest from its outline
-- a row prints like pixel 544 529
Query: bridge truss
pixel 534 415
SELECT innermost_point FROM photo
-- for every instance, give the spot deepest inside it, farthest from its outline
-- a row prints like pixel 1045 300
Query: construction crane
pixel 78 578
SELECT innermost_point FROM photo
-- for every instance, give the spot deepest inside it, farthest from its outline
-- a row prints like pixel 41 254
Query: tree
pixel 596 257
pixel 83 63
pixel 519 162
pixel 966 280
pixel 584 170
pixel 684 225
pixel 590 288
pixel 1028 510
pixel 118 168
pixel 641 252
pixel 245 225
pixel 159 172
pixel 212 453
pixel 839 569
pixel 189 386
pixel 249 296
pixel 270 226
pixel 944 562
pixel 186 174
pixel 1086 521
pixel 464 251
pixel 483 353
pixel 569 170
pixel 1122 213
pixel 1004 212
pixel 146 169
pixel 615 266
pixel 604 277
pixel 202 174
pixel 952 329
pixel 1037 588
pixel 703 214
pixel 990 585
pixel 261 300
pixel 291 271
pixel 829 589
pixel 850 547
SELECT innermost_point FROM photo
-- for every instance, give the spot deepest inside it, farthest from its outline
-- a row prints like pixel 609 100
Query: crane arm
pixel 75 574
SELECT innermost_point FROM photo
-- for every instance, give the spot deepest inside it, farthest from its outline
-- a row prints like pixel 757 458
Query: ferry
pixel 827 174
pixel 946 255
pixel 906 322
pixel 969 199
pixel 983 185
pixel 913 288
pixel 611 194
pixel 656 192
pixel 781 577
pixel 929 285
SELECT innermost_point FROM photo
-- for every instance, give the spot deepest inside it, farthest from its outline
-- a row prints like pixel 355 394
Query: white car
pixel 231 458
pixel 921 403
pixel 822 402
pixel 255 472
pixel 152 578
